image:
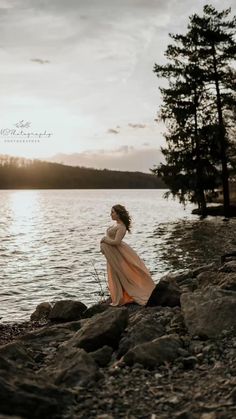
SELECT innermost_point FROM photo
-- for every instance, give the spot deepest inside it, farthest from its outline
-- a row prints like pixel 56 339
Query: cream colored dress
pixel 128 278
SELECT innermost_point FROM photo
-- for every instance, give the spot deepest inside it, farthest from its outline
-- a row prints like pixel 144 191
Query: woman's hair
pixel 123 215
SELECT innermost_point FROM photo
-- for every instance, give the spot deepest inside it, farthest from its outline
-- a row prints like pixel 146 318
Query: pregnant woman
pixel 128 278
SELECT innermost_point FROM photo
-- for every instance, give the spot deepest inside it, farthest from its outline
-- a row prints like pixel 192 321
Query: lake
pixel 50 242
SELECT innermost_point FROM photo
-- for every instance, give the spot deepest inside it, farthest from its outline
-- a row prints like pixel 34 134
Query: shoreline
pixel 173 358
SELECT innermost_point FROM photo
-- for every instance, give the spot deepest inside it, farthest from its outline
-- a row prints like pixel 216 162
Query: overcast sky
pixel 82 70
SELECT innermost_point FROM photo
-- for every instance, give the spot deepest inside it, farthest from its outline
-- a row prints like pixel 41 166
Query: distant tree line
pixel 19 173
pixel 199 108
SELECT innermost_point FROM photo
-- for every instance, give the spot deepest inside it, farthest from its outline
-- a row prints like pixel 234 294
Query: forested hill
pixel 19 173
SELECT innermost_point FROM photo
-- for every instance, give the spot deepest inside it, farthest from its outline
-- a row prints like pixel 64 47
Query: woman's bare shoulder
pixel 121 226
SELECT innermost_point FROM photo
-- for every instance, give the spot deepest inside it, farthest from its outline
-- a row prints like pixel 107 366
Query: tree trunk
pixel 199 175
pixel 222 140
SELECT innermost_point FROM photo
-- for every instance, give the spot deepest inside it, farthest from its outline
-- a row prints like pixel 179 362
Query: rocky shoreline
pixel 174 358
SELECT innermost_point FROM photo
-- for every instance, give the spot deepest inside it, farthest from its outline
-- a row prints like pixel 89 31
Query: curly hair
pixel 123 215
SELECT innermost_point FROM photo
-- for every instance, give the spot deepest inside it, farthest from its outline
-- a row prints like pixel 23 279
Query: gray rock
pixel 189 362
pixel 102 356
pixel 102 329
pixel 165 293
pixel 95 309
pixel 73 367
pixel 189 284
pixel 41 312
pixel 222 279
pixel 228 266
pixel 154 353
pixel 209 313
pixel 209 267
pixel 49 336
pixel 30 399
pixel 141 329
pixel 15 351
pixel 177 277
pixel 67 310
pixel 24 393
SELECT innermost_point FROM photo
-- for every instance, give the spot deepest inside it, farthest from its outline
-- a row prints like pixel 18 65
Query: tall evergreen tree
pixel 215 36
pixel 190 112
pixel 187 170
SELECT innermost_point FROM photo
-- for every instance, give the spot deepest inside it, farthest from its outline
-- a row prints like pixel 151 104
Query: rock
pixel 95 309
pixel 209 267
pixel 209 313
pixel 222 279
pixel 146 328
pixel 73 367
pixel 230 256
pixel 228 266
pixel 15 351
pixel 165 294
pixel 67 310
pixel 184 414
pixel 189 284
pixel 189 362
pixel 41 312
pixel 50 336
pixel 210 415
pixel 32 400
pixel 154 353
pixel 24 393
pixel 102 356
pixel 177 277
pixel 102 329
pixel 233 395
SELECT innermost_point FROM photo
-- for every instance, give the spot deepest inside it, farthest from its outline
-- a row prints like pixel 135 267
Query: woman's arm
pixel 120 233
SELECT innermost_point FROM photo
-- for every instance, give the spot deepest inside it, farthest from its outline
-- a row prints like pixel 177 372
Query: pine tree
pixel 194 106
pixel 217 47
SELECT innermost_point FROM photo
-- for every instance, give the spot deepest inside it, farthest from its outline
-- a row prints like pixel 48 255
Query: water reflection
pixel 190 243
pixel 23 208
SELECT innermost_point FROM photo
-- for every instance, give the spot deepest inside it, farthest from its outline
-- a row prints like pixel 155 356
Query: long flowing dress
pixel 129 280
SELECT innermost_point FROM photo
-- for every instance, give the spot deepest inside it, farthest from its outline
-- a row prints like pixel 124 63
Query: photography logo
pixel 23 133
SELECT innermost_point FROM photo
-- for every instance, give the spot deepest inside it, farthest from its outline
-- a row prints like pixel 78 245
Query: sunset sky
pixel 82 71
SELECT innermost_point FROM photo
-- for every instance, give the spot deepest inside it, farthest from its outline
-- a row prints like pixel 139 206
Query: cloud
pixel 123 158
pixel 112 131
pixel 101 55
pixel 40 61
pixel 137 125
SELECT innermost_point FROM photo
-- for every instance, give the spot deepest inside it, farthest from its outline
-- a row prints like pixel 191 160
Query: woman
pixel 128 278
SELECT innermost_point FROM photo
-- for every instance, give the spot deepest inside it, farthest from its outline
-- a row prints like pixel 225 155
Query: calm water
pixel 49 247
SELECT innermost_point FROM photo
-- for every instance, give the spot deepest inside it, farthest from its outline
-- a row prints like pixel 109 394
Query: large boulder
pixel 41 312
pixel 209 313
pixel 29 399
pixel 144 326
pixel 102 329
pixel 50 335
pixel 73 367
pixel 221 279
pixel 28 395
pixel 16 352
pixel 156 352
pixel 165 293
pixel 95 309
pixel 67 310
